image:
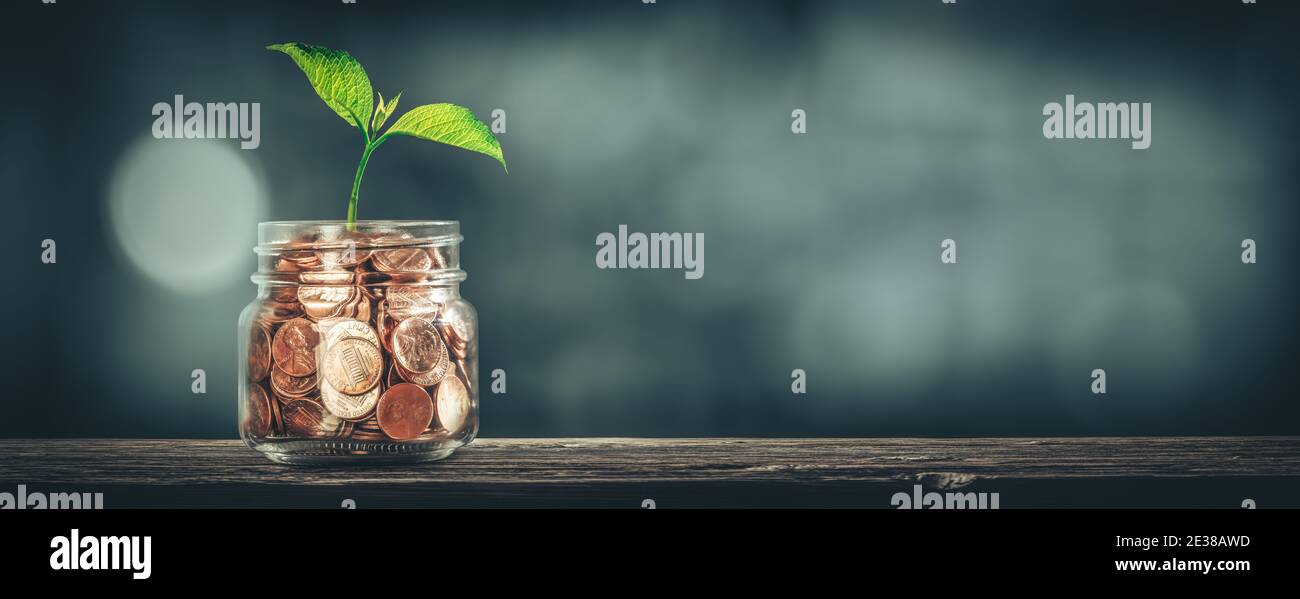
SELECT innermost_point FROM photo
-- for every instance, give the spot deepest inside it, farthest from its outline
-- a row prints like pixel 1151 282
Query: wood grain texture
pixel 729 472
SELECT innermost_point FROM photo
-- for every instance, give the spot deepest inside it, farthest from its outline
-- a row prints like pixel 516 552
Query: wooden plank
pixel 620 472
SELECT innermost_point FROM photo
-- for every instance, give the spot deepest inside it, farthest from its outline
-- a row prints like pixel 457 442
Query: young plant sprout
pixel 342 83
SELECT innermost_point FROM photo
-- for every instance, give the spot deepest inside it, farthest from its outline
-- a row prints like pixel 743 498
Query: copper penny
pixel 345 257
pixel 455 343
pixel 277 421
pixel 458 323
pixel 392 376
pixel 417 347
pixel 461 370
pixel 273 311
pixel 384 325
pixel 360 308
pixel 368 430
pixel 335 329
pixel 259 352
pixel 284 294
pixel 296 260
pixel 430 378
pixel 306 418
pixel 352 365
pixel 294 347
pixel 402 260
pixel 286 386
pixel 440 259
pixel 406 301
pixel 404 411
pixel 326 301
pixel 346 406
pixel 453 404
pixel 333 277
pixel 285 265
pixel 257 420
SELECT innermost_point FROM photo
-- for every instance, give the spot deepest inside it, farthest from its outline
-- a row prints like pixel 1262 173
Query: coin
pixel 352 365
pixel 430 378
pixel 406 301
pixel 440 257
pixel 347 406
pixel 384 325
pixel 455 343
pixel 392 376
pixel 458 324
pixel 277 421
pixel 285 265
pixel 274 312
pixel 359 308
pixel 453 404
pixel 462 371
pixel 335 329
pixel 346 257
pixel 366 425
pixel 326 301
pixel 417 347
pixel 296 260
pixel 404 411
pixel 294 347
pixel 257 420
pixel 306 418
pixel 259 352
pixel 287 387
pixel 334 277
pixel 284 294
pixel 371 292
pixel 368 431
pixel 402 260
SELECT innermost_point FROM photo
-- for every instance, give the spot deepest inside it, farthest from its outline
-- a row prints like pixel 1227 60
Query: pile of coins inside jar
pixel 346 346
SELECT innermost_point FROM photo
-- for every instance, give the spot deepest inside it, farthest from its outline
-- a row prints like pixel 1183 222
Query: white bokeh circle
pixel 185 212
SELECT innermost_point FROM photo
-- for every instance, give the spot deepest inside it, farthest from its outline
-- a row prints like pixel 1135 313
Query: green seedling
pixel 342 83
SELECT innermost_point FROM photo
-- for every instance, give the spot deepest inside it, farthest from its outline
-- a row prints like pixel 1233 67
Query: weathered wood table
pixel 729 472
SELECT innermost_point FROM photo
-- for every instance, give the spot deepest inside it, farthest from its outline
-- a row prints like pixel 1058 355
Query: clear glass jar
pixel 358 347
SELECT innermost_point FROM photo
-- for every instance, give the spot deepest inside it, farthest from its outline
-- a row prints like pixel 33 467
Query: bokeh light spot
pixel 184 212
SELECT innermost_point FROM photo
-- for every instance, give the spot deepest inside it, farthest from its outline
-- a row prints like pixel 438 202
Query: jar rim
pixel 279 235
pixel 325 247
pixel 336 222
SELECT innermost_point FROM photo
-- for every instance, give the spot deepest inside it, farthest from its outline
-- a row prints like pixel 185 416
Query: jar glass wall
pixel 358 347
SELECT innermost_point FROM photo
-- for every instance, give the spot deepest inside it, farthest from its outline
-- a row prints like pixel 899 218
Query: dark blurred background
pixel 821 251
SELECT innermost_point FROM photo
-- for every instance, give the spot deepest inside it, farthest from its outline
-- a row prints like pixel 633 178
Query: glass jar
pixel 358 347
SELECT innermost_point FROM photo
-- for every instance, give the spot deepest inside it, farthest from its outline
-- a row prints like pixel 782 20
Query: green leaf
pixel 338 78
pixel 378 109
pixel 450 124
pixel 383 111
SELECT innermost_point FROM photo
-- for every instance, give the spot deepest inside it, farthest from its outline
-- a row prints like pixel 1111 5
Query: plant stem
pixel 356 186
